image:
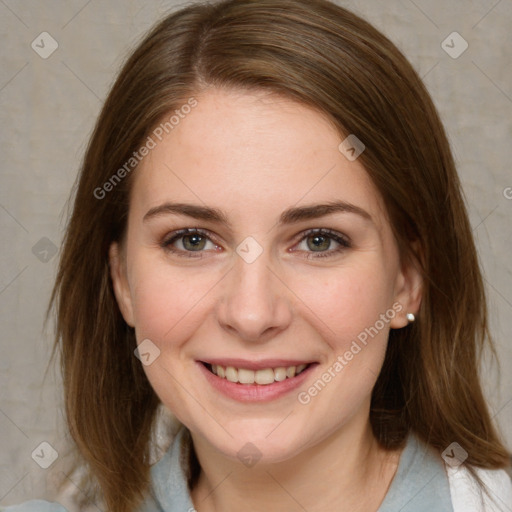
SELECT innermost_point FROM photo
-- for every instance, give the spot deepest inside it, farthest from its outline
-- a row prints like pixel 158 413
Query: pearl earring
pixel 410 317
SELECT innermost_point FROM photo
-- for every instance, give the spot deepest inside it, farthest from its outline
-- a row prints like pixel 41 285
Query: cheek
pixel 168 301
pixel 352 310
pixel 169 304
pixel 347 301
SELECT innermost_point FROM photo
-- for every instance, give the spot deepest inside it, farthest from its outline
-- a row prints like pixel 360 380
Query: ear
pixel 408 291
pixel 119 278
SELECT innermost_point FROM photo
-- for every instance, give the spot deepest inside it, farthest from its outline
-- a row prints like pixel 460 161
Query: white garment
pixel 467 495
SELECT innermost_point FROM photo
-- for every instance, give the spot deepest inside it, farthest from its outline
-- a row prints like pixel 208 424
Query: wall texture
pixel 48 104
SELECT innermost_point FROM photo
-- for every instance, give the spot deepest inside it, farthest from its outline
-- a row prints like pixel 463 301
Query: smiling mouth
pixel 265 376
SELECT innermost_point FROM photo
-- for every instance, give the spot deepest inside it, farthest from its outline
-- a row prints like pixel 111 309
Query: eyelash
pixel 342 240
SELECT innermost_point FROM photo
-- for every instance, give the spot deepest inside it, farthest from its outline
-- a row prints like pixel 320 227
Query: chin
pixel 260 441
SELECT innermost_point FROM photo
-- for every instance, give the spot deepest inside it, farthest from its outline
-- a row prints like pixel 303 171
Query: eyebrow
pixel 190 210
pixel 298 214
pixel 290 216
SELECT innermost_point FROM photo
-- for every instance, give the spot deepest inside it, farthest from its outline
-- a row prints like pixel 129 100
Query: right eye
pixel 189 240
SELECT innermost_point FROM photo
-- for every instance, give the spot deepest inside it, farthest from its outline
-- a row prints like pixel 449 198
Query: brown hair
pixel 319 54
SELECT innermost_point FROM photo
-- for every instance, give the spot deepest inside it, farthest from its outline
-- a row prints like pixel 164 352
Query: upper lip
pixel 255 365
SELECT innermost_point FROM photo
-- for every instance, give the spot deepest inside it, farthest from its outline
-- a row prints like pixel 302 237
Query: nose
pixel 254 304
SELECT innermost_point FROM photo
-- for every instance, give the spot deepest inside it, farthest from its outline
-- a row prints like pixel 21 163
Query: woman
pixel 269 240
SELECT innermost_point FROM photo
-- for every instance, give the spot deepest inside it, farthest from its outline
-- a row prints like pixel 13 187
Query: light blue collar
pixel 420 484
pixel 171 492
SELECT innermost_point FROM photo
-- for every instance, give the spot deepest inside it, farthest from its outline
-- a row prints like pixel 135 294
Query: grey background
pixel 48 107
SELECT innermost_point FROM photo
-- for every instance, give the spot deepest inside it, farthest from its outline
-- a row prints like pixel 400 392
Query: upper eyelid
pixel 180 233
pixel 323 231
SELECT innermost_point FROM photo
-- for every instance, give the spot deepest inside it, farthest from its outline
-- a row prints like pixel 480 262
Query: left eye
pixel 321 241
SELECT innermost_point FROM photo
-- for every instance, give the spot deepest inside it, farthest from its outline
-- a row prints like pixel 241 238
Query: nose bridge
pixel 254 303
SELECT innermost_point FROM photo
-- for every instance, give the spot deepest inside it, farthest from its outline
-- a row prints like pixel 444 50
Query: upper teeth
pixel 265 376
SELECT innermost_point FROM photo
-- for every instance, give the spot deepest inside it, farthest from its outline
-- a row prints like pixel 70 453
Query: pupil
pixel 193 242
pixel 319 242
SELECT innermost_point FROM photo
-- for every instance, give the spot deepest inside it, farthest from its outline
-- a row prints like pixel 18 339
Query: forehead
pixel 252 151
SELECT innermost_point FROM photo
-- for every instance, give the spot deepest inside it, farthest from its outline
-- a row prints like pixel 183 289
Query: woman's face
pixel 289 261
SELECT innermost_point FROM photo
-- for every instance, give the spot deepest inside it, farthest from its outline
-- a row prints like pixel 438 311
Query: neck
pixel 355 479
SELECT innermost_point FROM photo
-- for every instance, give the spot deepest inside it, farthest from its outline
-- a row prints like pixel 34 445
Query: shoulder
pixel 34 506
pixel 468 496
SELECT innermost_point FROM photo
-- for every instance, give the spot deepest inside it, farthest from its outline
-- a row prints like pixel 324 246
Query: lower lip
pixel 255 392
